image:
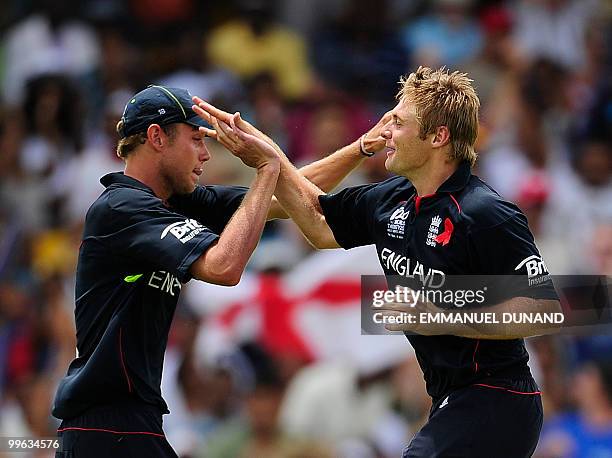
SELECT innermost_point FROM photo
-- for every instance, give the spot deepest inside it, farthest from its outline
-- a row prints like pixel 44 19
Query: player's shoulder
pixel 394 184
pixel 483 207
pixel 388 188
pixel 125 193
pixel 127 199
pixel 120 202
pixel 220 191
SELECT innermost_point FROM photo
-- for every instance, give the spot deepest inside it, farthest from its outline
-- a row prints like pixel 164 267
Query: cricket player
pixel 435 216
pixel 153 229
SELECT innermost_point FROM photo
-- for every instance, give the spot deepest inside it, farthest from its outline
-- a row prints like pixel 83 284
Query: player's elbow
pixel 322 243
pixel 323 239
pixel 219 270
pixel 230 278
pixel 219 276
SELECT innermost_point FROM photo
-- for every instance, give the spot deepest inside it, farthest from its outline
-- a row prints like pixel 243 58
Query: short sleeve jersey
pixel 134 258
pixel 465 228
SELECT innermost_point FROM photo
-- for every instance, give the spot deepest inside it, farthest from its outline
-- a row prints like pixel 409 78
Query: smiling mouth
pixel 198 172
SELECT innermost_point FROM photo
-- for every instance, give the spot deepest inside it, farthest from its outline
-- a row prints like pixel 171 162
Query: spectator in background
pixel 601 247
pixel 586 433
pixel 259 434
pixel 496 71
pixel 359 55
pixel 155 13
pixel 264 107
pixel 254 43
pixel 190 68
pixel 326 124
pixel 51 40
pixel 52 121
pixel 204 396
pixel 537 140
pixel 554 29
pixel 11 172
pixel 361 402
pixel 448 36
pixel 532 197
pixel 586 201
pixel 107 46
pixel 79 184
pixel 121 66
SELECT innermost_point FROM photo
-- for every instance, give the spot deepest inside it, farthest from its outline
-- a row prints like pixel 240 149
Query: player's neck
pixel 146 171
pixel 430 177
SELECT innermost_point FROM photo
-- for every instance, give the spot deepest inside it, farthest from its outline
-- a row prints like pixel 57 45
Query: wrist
pixel 368 147
pixel 270 167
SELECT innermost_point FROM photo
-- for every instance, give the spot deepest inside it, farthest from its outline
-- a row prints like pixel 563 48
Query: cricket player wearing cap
pixel 153 229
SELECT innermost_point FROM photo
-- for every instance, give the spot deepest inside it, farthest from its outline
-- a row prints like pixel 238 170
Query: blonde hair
pixel 446 99
pixel 128 144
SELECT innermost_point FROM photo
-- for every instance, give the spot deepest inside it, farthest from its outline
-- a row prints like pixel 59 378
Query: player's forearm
pixel 225 262
pixel 300 200
pixel 325 173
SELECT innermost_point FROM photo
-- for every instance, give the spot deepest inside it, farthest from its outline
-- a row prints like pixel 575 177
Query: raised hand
pixel 207 111
pixel 250 149
pixel 373 140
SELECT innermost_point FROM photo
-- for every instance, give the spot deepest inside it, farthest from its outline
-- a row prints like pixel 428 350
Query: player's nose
pixel 204 154
pixel 386 133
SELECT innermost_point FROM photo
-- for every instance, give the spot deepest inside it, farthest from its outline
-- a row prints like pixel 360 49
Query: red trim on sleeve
pixel 100 430
pixel 507 389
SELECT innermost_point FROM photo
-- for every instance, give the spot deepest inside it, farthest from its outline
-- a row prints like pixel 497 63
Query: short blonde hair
pixel 128 144
pixel 445 99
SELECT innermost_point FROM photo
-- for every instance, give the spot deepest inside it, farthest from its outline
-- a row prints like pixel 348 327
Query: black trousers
pixel 130 430
pixel 501 420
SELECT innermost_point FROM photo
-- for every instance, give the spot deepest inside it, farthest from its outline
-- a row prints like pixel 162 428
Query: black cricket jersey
pixel 465 228
pixel 134 257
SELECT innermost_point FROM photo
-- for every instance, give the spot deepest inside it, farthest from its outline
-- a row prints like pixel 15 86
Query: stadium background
pixel 276 367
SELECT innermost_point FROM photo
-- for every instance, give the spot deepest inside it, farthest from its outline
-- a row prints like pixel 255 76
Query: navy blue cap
pixel 158 105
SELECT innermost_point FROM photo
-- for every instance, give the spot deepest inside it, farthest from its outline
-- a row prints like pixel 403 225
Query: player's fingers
pixel 225 136
pixel 235 129
pixel 201 113
pixel 208 132
pixel 241 123
pixel 214 111
pixel 395 307
pixel 396 327
pixel 222 136
pixel 227 130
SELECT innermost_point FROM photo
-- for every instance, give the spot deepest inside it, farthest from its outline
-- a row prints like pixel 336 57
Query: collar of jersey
pixel 458 180
pixel 124 180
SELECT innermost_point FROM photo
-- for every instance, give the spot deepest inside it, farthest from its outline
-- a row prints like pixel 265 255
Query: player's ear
pixel 154 135
pixel 441 137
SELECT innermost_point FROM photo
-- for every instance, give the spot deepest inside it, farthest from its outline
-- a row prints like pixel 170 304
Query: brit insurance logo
pixel 183 230
pixel 536 270
pixel 397 223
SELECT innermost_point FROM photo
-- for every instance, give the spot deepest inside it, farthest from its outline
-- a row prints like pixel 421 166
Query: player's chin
pixel 189 185
pixel 390 163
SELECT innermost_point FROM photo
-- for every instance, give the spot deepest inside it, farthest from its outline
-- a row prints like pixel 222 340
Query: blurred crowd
pixel 259 370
